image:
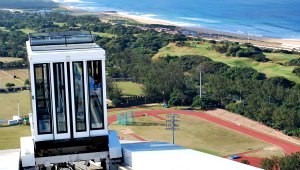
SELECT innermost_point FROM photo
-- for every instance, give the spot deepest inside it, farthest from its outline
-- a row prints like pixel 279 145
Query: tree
pixel 177 98
pixel 288 162
pixel 9 85
pixel 113 92
pixel 26 82
pixel 204 102
pixel 268 164
pixel 235 107
pixel 281 81
pixel 297 71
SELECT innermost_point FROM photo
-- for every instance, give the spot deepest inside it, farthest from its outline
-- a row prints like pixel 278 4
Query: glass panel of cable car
pixel 43 99
pixel 60 97
pixel 95 94
pixel 79 99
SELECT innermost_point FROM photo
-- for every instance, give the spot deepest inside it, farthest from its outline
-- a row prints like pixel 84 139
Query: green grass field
pixel 27 30
pixel 9 59
pixel 267 153
pixel 6 77
pixel 129 88
pixel 103 34
pixel 60 24
pixel 193 133
pixel 4 29
pixel 271 68
pixel 10 136
pixel 9 106
pixel 21 74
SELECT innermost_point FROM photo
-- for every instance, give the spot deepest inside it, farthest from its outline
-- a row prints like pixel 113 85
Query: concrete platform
pixel 9 159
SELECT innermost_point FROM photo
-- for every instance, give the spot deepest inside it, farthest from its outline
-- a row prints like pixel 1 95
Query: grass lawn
pixel 4 29
pixel 129 88
pixel 60 24
pixel 6 78
pixel 9 59
pixel 193 133
pixel 21 74
pixel 27 30
pixel 281 57
pixel 103 34
pixel 271 68
pixel 267 153
pixel 10 136
pixel 9 105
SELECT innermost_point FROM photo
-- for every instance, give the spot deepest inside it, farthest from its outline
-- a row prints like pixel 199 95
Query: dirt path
pixel 12 76
pixel 288 147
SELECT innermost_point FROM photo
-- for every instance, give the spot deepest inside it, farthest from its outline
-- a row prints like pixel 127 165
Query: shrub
pixel 9 85
pixel 297 71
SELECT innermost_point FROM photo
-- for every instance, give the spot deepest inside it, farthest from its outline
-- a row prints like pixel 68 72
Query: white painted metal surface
pixel 27 151
pixel 164 156
pixel 9 159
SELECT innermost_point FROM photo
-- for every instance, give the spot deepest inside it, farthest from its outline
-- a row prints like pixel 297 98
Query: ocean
pixel 266 18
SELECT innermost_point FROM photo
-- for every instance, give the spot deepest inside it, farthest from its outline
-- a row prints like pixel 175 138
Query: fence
pixel 139 100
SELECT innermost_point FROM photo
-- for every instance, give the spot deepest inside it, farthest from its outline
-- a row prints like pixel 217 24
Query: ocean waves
pixel 218 15
pixel 200 20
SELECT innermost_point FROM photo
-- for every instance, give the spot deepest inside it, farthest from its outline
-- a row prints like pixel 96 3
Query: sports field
pixel 193 133
pixel 6 76
pixel 9 101
pixel 10 136
pixel 193 129
pixel 9 104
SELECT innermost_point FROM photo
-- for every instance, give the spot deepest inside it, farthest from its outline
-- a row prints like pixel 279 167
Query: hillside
pixel 272 68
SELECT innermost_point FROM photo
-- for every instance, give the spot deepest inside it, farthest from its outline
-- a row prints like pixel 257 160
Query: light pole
pixel 200 81
pixel 172 124
pixel 18 108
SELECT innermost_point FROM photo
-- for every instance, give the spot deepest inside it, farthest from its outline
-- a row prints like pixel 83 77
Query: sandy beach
pixel 275 43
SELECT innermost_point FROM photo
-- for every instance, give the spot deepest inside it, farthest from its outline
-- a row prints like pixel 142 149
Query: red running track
pixel 286 146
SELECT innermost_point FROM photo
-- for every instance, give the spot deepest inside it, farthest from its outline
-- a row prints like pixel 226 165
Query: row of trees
pixel 237 50
pixel 295 62
pixel 288 162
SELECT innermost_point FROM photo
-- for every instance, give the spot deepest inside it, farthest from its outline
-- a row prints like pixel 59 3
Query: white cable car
pixel 68 93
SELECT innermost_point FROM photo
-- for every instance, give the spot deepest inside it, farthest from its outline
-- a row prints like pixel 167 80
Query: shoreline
pixel 260 41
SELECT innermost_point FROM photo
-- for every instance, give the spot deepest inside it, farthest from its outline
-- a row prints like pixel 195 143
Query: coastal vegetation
pixel 237 50
pixel 265 91
pixel 275 67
